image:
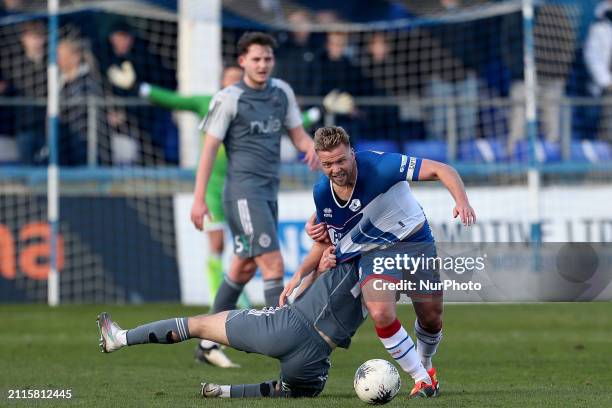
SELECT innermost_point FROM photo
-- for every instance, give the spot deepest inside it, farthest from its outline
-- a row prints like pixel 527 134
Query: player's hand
pixel 144 90
pixel 317 232
pixel 289 288
pixel 311 159
pixel 199 210
pixel 328 259
pixel 466 214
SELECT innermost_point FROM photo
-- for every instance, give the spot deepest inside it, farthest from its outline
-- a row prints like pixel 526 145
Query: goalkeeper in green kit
pixel 199 104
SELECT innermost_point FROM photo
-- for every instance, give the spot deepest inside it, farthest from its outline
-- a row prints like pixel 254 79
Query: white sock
pixel 226 391
pixel 206 344
pixel 427 344
pixel 122 337
pixel 401 348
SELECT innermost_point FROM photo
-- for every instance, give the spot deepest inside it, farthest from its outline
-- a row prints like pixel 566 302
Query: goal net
pixel 446 83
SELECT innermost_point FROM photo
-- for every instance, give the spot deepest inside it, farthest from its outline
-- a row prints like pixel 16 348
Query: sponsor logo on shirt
pixel 355 205
pixel 327 212
pixel 271 125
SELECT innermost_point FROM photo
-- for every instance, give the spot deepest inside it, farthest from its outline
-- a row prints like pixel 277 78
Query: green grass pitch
pixel 538 355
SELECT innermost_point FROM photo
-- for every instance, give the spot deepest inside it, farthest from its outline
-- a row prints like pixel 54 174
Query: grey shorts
pixel 283 333
pixel 254 225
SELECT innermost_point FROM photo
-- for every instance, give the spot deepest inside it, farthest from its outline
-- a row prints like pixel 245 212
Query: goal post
pixel 53 207
pixel 199 65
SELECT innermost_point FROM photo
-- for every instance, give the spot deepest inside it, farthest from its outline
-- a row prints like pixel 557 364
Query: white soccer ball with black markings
pixel 377 382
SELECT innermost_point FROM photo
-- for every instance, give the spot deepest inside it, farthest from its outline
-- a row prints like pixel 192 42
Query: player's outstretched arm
pixel 304 144
pixel 327 261
pixel 170 99
pixel 199 208
pixel 433 170
pixel 310 265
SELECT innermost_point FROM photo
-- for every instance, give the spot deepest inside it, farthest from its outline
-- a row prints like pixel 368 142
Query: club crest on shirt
pixel 355 205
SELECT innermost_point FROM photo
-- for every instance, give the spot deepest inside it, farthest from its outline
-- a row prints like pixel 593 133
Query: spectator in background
pixel 296 53
pixel 454 78
pixel 382 70
pixel 129 63
pixel 554 45
pixel 26 74
pixel 326 17
pixel 124 69
pixel 77 81
pixel 598 59
pixel 379 64
pixel 8 7
pixel 339 79
pixel 335 71
pixel 272 9
pixel 10 38
pixel 8 148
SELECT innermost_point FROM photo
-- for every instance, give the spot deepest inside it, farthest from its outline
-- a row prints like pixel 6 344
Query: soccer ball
pixel 377 382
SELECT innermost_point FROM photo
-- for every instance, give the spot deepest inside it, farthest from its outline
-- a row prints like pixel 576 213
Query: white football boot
pixel 210 390
pixel 213 355
pixel 109 333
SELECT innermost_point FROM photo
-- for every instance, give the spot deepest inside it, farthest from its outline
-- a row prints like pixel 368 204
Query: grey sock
pixel 159 332
pixel 265 389
pixel 427 343
pixel 227 295
pixel 272 291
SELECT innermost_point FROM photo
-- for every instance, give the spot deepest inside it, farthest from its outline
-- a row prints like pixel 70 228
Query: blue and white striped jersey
pixel 381 209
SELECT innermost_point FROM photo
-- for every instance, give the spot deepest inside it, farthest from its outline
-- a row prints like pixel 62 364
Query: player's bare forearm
pixel 207 159
pixel 304 144
pixel 311 261
pixel 305 284
pixel 327 260
pixel 300 139
pixel 448 176
pixel 304 274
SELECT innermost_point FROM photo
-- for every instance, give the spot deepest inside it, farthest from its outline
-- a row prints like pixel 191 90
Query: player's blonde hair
pixel 329 137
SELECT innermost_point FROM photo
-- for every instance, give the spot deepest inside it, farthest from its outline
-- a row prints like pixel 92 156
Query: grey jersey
pixel 251 122
pixel 333 303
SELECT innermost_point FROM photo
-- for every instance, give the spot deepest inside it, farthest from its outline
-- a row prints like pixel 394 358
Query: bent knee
pixel 271 265
pixel 431 320
pixel 382 316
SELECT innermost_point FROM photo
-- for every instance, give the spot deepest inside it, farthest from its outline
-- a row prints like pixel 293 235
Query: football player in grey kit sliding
pixel 301 336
